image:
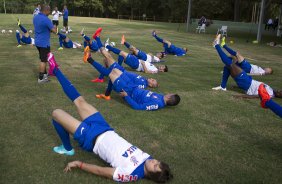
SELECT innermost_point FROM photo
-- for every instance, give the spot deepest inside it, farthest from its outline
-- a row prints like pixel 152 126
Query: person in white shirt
pixel 37 10
pixel 94 134
pixel 56 14
pixel 269 24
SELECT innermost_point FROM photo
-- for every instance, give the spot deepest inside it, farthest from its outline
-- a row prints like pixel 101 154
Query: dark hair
pixel 173 100
pixel 166 69
pixel 277 93
pixel 161 177
pixel 45 7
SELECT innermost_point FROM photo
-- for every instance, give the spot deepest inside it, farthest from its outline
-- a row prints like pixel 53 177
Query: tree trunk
pixel 237 10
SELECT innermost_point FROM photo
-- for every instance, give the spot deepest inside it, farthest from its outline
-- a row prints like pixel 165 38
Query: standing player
pixel 93 133
pixel 67 42
pixel 42 28
pixel 56 14
pixel 66 18
pixel 25 37
pixel 243 81
pixel 169 48
pixel 37 10
pixel 267 102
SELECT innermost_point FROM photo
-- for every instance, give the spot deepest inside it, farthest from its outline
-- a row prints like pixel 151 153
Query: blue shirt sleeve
pixel 145 106
pixel 49 24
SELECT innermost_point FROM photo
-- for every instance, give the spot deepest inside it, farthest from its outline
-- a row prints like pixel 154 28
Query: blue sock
pixel 228 49
pixel 120 59
pixel 86 38
pixel 101 76
pixel 225 76
pixel 23 29
pixel 67 86
pixel 85 44
pixel 61 41
pixel 109 88
pixel 159 39
pixel 99 43
pixel 225 59
pixel 101 69
pixel 63 134
pixel 114 50
pixel 277 109
pixel 127 44
pixel 62 36
pixel 18 38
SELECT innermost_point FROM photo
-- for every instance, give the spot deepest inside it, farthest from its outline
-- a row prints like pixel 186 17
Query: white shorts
pixel 253 89
pixel 32 41
pixel 257 70
pixel 75 45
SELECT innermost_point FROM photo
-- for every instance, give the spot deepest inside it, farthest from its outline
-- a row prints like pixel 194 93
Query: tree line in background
pixel 159 10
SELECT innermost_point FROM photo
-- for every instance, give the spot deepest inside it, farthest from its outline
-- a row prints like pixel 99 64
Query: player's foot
pixel 82 32
pixel 61 150
pixel 87 54
pixel 52 64
pixel 60 48
pixel 122 40
pixel 217 40
pixel 107 42
pixel 222 41
pixel 19 21
pixel 264 96
pixel 44 80
pixel 102 96
pixel 17 31
pixel 97 80
pixel 97 33
pixel 219 88
pixel 154 33
pixel 19 45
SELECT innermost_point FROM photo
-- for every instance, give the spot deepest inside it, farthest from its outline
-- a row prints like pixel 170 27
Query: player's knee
pixel 56 113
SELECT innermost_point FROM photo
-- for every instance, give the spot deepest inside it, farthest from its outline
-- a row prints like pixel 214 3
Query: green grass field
pixel 210 137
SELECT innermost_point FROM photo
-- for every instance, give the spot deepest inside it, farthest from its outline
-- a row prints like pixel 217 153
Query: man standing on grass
pixel 42 28
pixel 66 18
pixel 56 14
pixel 37 10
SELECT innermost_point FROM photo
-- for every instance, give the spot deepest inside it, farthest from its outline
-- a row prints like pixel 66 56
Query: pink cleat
pixel 97 80
pixel 97 33
pixel 52 64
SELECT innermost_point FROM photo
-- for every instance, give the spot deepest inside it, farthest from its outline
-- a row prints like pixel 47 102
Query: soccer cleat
pixel 219 88
pixel 102 96
pixel 97 80
pixel 222 42
pixel 19 45
pixel 154 33
pixel 263 94
pixel 216 40
pixel 61 150
pixel 44 80
pixel 52 64
pixel 107 42
pixel 19 21
pixel 97 33
pixel 60 48
pixel 86 54
pixel 122 40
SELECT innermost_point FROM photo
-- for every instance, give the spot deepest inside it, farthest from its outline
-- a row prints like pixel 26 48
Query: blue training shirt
pixel 141 99
pixel 42 28
pixel 174 50
pixel 138 80
pixel 66 14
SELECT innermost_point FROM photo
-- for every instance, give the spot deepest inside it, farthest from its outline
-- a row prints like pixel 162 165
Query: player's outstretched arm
pixel 106 172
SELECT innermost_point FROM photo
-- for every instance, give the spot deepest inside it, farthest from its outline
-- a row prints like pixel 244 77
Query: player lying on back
pixel 88 42
pixel 138 99
pixel 141 54
pixel 67 42
pixel 25 37
pixel 94 134
pixel 267 102
pixel 169 48
pixel 241 78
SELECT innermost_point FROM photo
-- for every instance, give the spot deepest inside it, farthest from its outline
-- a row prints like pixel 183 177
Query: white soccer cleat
pixel 10 31
pixel 217 40
pixel 107 42
pixel 219 88
pixel 3 31
pixel 30 31
pixel 113 44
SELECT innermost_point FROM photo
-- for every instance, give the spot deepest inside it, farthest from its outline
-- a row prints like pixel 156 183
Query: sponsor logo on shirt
pixel 134 160
pixel 126 178
pixel 141 86
pixel 129 151
pixel 151 107
pixel 149 94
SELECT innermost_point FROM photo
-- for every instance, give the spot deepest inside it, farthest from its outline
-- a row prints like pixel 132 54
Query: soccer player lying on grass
pixel 137 64
pixel 88 42
pixel 67 43
pixel 25 37
pixel 242 63
pixel 138 99
pixel 169 48
pixel 142 55
pixel 93 133
pixel 267 102
pixel 243 80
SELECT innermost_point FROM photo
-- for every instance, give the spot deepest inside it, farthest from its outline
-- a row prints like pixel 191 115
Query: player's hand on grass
pixel 123 94
pixel 71 165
